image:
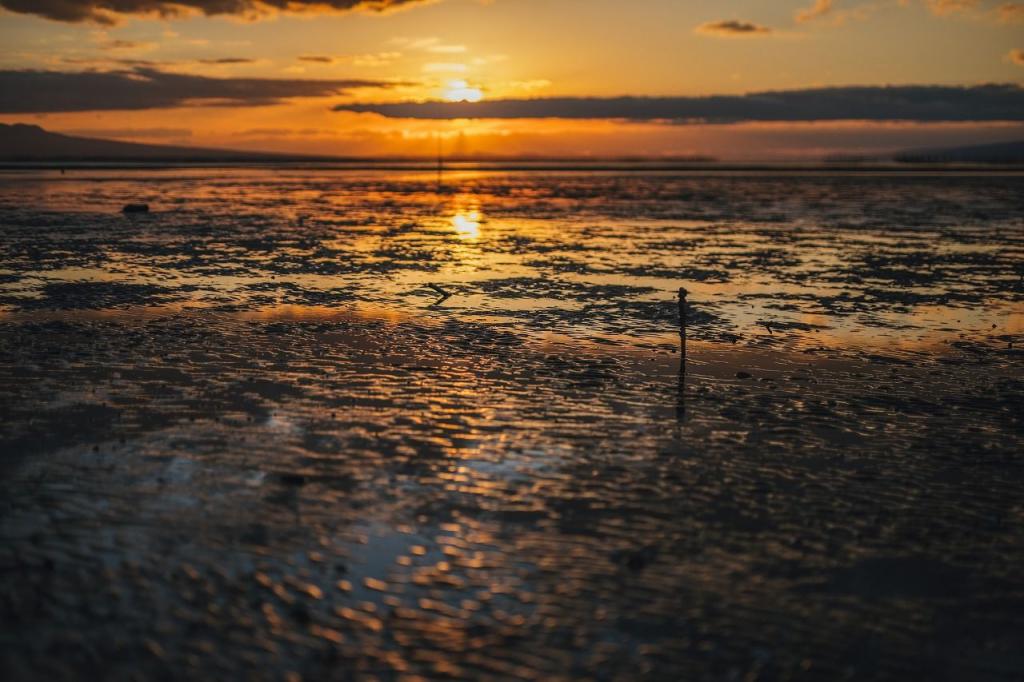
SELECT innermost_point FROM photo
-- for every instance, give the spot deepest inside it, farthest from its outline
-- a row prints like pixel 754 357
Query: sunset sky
pixel 285 75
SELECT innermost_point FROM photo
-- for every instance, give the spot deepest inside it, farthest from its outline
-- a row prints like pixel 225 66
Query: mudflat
pixel 325 424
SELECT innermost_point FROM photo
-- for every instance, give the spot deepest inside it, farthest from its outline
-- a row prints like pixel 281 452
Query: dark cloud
pixel 316 59
pixel 731 28
pixel 228 60
pixel 109 11
pixel 107 63
pixel 25 92
pixel 896 103
pixel 126 45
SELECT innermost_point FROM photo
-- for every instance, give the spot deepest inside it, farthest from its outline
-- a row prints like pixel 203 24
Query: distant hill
pixel 30 143
pixel 1001 152
pixel 20 142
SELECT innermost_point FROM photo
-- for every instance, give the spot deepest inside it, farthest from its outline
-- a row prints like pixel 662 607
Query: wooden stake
pixel 682 328
pixel 681 389
pixel 440 162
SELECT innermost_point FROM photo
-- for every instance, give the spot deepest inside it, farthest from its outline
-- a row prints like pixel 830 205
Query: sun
pixel 460 91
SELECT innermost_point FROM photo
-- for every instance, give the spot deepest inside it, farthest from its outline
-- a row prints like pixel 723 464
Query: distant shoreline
pixel 574 165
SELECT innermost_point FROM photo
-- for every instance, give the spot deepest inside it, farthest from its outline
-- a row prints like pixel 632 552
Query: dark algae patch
pixel 415 435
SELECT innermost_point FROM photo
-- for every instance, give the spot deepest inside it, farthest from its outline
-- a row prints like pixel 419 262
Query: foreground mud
pixel 243 439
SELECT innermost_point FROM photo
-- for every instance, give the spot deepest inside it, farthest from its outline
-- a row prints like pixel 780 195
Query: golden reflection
pixel 467 219
pixel 467 225
pixel 361 311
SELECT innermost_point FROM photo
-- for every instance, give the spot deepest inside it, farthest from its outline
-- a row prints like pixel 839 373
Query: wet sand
pixel 245 439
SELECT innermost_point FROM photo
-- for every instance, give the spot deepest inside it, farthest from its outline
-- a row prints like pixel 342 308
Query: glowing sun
pixel 460 91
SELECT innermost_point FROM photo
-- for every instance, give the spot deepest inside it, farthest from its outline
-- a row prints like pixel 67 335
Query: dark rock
pixel 135 208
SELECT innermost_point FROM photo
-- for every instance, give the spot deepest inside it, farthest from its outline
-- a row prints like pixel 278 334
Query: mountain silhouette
pixel 22 142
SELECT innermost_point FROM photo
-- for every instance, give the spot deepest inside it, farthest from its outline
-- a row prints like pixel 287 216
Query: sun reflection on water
pixel 466 220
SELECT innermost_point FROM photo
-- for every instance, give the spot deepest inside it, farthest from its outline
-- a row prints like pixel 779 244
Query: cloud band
pixel 884 103
pixel 25 92
pixel 110 11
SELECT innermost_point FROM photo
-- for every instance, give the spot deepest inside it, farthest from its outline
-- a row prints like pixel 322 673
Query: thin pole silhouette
pixel 681 389
pixel 440 161
pixel 682 328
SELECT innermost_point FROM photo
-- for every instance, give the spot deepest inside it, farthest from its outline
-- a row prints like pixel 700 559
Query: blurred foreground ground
pixel 243 439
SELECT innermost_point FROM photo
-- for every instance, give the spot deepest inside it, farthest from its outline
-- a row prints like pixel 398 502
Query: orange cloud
pixel 819 9
pixel 1010 13
pixel 947 7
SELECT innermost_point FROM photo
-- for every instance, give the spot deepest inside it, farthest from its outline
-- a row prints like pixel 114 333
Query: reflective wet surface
pixel 306 424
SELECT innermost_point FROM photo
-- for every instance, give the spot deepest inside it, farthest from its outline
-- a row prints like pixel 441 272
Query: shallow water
pixel 245 437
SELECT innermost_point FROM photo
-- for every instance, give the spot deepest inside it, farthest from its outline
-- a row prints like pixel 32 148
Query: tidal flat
pixel 326 424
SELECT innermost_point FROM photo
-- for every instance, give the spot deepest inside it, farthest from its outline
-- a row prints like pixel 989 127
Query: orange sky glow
pixel 383 52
